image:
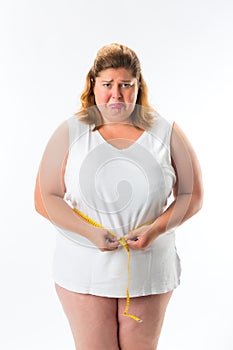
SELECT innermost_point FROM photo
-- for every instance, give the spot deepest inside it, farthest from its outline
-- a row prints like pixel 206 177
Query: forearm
pixel 180 210
pixel 56 210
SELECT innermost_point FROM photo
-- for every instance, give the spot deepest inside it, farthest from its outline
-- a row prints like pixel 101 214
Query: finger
pixel 140 244
pixel 112 245
pixel 134 247
pixel 131 236
pixel 108 249
pixel 111 238
pixel 133 244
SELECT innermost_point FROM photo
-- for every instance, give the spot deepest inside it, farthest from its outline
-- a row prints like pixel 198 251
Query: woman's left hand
pixel 141 238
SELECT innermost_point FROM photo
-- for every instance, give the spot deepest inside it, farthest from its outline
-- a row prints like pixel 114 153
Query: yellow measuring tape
pixel 123 242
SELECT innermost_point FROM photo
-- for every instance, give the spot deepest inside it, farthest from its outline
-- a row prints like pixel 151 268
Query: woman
pixel 105 181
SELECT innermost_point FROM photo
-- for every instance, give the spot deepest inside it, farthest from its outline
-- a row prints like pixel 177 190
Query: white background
pixel 186 52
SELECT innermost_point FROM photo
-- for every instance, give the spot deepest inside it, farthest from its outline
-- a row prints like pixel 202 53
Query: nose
pixel 116 92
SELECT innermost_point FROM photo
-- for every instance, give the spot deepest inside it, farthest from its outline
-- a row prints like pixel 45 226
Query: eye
pixel 126 85
pixel 107 85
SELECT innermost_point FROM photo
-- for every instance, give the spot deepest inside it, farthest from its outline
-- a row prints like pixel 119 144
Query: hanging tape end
pixel 135 318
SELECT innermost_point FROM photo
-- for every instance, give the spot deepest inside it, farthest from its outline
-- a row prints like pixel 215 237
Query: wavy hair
pixel 116 56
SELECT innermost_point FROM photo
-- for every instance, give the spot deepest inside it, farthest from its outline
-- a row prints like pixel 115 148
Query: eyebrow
pixel 122 81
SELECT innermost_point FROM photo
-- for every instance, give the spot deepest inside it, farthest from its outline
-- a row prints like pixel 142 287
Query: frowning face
pixel 115 93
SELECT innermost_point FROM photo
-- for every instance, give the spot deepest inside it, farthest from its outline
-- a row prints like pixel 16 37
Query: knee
pixel 132 336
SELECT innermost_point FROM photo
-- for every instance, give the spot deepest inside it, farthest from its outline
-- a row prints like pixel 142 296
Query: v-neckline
pixel 133 144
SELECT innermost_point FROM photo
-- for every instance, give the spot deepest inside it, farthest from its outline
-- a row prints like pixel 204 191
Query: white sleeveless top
pixel 120 189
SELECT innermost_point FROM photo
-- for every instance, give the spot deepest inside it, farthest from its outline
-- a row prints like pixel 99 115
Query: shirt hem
pixel 118 295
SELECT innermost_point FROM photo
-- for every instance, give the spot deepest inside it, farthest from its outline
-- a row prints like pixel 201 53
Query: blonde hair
pixel 116 56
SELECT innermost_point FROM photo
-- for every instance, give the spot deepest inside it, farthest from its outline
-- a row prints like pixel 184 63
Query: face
pixel 115 93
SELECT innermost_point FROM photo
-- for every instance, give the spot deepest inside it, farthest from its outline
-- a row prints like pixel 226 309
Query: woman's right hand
pixel 104 240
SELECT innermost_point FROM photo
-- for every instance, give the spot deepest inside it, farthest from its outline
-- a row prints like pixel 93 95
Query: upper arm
pixel 186 164
pixel 50 177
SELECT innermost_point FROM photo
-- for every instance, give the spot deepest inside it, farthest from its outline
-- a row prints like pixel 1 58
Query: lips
pixel 117 105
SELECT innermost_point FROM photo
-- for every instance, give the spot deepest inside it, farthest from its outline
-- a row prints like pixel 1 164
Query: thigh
pixel 92 319
pixel 145 335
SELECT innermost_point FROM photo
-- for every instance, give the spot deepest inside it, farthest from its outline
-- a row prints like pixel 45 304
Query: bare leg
pixel 92 319
pixel 142 336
